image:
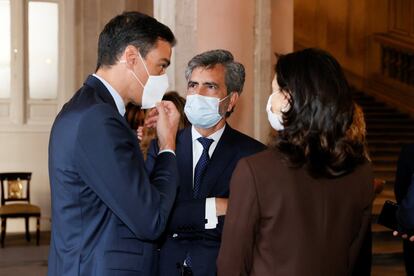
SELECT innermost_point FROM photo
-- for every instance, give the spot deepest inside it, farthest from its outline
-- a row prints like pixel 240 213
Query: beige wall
pixel 27 151
pixel 281 26
pixel 231 27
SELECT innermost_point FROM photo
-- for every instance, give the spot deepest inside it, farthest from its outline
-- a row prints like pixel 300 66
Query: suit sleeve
pixel 186 216
pixel 152 155
pixel 111 164
pixel 405 212
pixel 240 226
pixel 405 169
pixel 404 188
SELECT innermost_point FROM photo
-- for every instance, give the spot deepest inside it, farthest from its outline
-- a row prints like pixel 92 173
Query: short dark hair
pixel 235 73
pixel 316 126
pixel 130 28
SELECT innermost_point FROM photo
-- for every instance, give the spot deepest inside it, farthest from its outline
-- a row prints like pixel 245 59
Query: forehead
pixel 211 74
pixel 162 50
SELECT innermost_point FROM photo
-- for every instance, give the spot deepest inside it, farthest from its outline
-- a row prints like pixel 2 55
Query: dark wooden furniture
pixel 15 202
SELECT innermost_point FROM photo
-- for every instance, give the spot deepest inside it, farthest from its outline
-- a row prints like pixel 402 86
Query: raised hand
pixel 166 122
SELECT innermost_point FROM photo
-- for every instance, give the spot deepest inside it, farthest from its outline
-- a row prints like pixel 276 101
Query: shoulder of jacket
pixel 246 139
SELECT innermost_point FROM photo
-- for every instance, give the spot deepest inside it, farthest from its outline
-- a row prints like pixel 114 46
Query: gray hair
pixel 235 73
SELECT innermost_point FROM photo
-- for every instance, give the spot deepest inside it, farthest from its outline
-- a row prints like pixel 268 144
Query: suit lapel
pixel 101 91
pixel 103 94
pixel 185 161
pixel 224 153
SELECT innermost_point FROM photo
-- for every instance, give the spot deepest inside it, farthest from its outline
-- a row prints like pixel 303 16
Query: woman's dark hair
pixel 130 28
pixel 316 126
pixel 134 115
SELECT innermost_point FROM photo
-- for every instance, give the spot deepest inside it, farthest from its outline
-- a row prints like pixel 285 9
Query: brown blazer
pixel 281 221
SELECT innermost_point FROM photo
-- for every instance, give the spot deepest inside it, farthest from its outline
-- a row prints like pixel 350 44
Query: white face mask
pixel 203 111
pixel 154 89
pixel 275 119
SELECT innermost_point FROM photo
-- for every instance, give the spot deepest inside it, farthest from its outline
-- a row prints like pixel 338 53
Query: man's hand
pixel 166 122
pixel 404 236
pixel 151 118
pixel 221 206
pixel 140 133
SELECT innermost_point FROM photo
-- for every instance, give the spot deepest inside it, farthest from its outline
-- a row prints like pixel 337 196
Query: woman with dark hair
pixel 303 206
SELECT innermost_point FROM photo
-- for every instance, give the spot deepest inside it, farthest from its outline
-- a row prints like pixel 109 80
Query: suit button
pixel 175 235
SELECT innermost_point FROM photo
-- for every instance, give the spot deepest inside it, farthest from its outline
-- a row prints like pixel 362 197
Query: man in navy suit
pixel 106 210
pixel 207 153
pixel 404 193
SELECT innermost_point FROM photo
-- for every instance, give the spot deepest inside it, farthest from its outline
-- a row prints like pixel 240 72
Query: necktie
pixel 198 176
pixel 201 164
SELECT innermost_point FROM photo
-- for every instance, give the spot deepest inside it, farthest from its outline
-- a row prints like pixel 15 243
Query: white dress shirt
pixel 210 212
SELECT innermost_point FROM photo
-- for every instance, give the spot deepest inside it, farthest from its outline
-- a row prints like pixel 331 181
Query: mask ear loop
pixel 135 76
pixel 143 62
pixel 226 97
pixel 222 101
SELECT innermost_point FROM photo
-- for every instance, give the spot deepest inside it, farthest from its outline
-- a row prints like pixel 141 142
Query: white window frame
pixel 25 114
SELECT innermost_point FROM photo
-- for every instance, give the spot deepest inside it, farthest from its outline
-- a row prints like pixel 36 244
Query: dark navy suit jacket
pixel 404 188
pixel 106 210
pixel 186 227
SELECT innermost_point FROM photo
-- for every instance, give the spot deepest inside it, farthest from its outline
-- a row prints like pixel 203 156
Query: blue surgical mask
pixel 203 111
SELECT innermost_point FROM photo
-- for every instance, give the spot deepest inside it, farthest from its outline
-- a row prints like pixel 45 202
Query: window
pixel 43 50
pixel 5 49
pixel 30 65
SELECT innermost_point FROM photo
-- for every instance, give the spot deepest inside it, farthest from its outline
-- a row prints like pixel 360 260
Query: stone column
pixel 181 17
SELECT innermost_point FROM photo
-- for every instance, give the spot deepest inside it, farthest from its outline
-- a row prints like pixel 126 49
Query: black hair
pixel 321 112
pixel 130 28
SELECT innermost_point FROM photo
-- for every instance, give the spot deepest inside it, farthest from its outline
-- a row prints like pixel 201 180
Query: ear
pixel 233 100
pixel 130 55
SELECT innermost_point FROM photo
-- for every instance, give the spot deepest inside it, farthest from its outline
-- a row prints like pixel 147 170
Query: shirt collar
pixel 120 105
pixel 215 136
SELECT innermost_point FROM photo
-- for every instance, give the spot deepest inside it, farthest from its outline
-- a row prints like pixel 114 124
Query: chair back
pixel 15 186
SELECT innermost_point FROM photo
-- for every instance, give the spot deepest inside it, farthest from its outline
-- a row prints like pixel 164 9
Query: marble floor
pixel 22 258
